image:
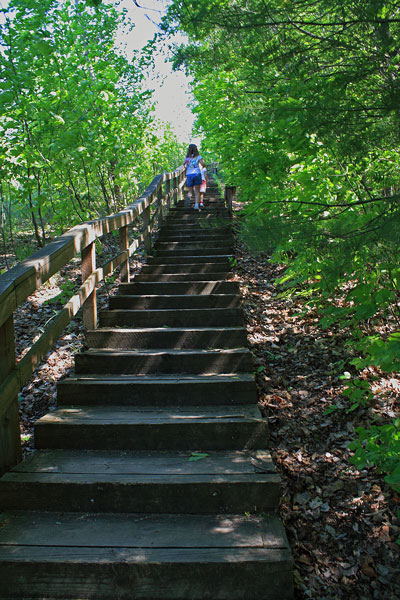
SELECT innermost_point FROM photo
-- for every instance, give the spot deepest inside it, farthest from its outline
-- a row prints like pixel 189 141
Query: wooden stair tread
pixel 177 463
pixel 178 301
pixel 178 277
pixel 116 530
pixel 188 288
pixel 151 415
pixel 191 258
pixel 175 329
pixel 159 482
pixel 150 379
pixel 178 363
pixel 160 352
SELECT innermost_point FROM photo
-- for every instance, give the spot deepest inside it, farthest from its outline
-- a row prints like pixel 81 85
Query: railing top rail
pixel 22 280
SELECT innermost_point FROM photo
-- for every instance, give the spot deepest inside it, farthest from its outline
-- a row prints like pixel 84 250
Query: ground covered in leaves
pixel 342 523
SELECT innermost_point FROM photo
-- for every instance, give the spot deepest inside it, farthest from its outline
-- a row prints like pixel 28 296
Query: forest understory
pixel 342 523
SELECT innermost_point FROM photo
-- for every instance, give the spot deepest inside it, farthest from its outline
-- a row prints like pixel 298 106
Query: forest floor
pixel 342 523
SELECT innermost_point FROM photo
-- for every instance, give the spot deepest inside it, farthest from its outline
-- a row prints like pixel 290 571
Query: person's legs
pixel 202 191
pixel 189 196
pixel 196 196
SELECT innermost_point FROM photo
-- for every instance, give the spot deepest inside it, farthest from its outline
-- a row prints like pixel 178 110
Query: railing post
pixel 230 191
pixel 88 267
pixel 168 193
pixel 147 233
pixel 160 205
pixel 123 245
pixel 181 177
pixel 175 189
pixel 10 437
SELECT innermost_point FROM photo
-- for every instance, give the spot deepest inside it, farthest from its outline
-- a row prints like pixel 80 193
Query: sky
pixel 171 88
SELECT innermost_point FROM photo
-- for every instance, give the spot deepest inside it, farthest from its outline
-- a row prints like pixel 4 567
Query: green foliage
pixel 23 251
pixel 299 103
pixel 359 393
pixel 299 108
pixel 379 446
pixel 67 291
pixel 382 353
pixel 78 139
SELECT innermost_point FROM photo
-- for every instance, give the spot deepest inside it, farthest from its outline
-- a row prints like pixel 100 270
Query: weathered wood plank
pixel 135 428
pixel 123 246
pixel 155 493
pixel 54 573
pixel 175 337
pixel 105 530
pixel 32 359
pixel 158 390
pixel 152 415
pixel 157 463
pixel 10 445
pixel 201 361
pixel 170 317
pixel 88 267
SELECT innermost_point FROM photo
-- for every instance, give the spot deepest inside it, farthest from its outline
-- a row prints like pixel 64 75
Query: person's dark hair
pixel 192 151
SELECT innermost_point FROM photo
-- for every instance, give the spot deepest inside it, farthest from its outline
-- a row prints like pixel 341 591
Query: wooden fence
pixel 25 278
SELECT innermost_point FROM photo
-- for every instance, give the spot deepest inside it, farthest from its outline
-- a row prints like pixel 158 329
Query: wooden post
pixel 181 177
pixel 160 205
pixel 123 245
pixel 88 266
pixel 10 437
pixel 168 193
pixel 175 189
pixel 147 233
pixel 230 191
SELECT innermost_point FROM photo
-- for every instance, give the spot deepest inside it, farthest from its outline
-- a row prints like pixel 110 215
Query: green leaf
pixel 332 408
pixel 198 456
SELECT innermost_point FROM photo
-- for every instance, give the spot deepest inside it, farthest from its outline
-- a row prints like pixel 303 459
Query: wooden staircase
pixel 152 479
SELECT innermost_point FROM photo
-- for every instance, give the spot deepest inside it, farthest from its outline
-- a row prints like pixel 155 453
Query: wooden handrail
pixel 22 280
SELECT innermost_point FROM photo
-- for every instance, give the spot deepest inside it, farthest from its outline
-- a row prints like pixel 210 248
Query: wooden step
pixel 157 390
pixel 209 207
pixel 150 428
pixel 168 337
pixel 177 302
pixel 210 210
pixel 201 238
pixel 102 556
pixel 196 251
pixel 186 288
pixel 196 227
pixel 196 317
pixel 191 259
pixel 194 245
pixel 199 219
pixel 155 482
pixel 193 235
pixel 196 362
pixel 196 267
pixel 170 277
